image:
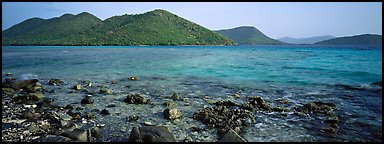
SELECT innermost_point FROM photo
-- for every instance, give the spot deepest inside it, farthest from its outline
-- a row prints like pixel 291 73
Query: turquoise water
pixel 298 73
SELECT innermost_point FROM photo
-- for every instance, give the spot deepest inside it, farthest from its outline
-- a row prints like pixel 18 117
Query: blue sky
pixel 275 19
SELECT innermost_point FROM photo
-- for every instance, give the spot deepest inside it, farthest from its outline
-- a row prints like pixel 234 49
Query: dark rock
pixel 172 114
pixel 68 106
pixel 76 116
pixel 87 100
pixel 28 114
pixel 379 83
pixel 279 109
pixel 28 85
pixel 133 118
pixel 170 104
pixel 231 136
pixel 105 112
pixel 196 129
pixel 136 99
pixel 111 106
pixel 95 110
pixel 113 82
pixel 79 108
pixel 55 82
pixel 225 103
pixel 133 78
pixel 105 91
pixel 86 83
pixel 8 74
pixel 151 134
pixel 175 97
pixel 77 134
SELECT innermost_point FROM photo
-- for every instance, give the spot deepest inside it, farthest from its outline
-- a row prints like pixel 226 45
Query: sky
pixel 274 19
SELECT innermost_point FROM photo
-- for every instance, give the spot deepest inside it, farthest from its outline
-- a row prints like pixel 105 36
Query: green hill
pixel 365 39
pixel 158 27
pixel 246 35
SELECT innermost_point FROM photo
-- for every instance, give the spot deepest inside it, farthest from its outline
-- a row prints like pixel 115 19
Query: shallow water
pixel 300 74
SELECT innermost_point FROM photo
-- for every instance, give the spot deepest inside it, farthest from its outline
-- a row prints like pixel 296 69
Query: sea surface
pixel 342 75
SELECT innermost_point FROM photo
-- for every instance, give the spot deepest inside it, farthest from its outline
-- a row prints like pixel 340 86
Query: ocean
pixel 342 75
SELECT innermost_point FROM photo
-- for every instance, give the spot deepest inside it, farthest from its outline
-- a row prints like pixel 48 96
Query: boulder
pixel 136 99
pixel 256 103
pixel 54 138
pixel 55 82
pixel 134 78
pixel 231 136
pixel 172 114
pixel 35 96
pixel 151 134
pixel 78 87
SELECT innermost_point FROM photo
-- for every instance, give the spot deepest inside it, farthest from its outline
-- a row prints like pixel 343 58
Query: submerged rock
pixel 54 138
pixel 151 134
pixel 35 96
pixel 226 103
pixel 172 114
pixel 170 104
pixel 55 82
pixel 104 112
pixel 175 97
pixel 87 100
pixel 132 118
pixel 106 91
pixel 77 134
pixel 136 99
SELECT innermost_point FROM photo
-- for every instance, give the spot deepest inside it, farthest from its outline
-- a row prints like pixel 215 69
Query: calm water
pixel 300 74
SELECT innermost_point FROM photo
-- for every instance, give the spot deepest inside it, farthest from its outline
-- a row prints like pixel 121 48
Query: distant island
pixel 157 27
pixel 364 39
pixel 308 40
pixel 248 35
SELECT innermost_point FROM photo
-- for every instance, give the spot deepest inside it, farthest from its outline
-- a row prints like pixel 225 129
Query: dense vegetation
pixel 246 35
pixel 365 39
pixel 158 27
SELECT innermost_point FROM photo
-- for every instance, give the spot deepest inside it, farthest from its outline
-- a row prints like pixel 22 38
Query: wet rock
pixel 136 99
pixel 147 123
pixel 172 114
pixel 86 83
pixel 55 82
pixel 279 109
pixel 35 96
pixel 284 101
pixel 175 97
pixel 8 74
pixel 134 78
pixel 256 103
pixel 68 106
pixel 106 91
pixel 221 117
pixel 231 136
pixel 77 134
pixel 29 115
pixel 104 112
pixel 196 129
pixel 151 134
pixel 78 87
pixel 132 118
pixel 187 139
pixel 29 85
pixel 225 103
pixel 87 100
pixel 113 82
pixel 170 104
pixel 317 108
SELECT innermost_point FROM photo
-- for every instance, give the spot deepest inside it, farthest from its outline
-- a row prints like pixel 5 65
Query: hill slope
pixel 158 27
pixel 309 40
pixel 365 39
pixel 247 35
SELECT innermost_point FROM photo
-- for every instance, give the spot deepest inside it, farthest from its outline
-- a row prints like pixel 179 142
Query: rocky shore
pixel 30 115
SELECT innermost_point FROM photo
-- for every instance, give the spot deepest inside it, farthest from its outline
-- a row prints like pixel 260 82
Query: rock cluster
pixel 136 99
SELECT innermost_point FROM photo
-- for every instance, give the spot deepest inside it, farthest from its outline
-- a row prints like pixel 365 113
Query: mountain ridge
pixel 248 35
pixel 362 39
pixel 306 40
pixel 157 27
